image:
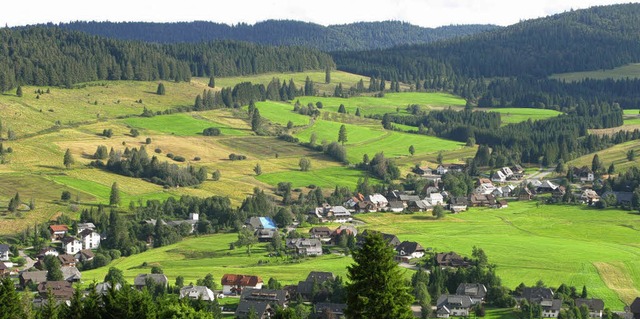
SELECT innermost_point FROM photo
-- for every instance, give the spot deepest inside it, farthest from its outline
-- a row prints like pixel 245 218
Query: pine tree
pixel 256 121
pixel 114 197
pixel 342 134
pixel 357 111
pixel 327 75
pixel 257 169
pixel 10 307
pixel 342 109
pixel 412 150
pixel 212 82
pixel 68 159
pixel 160 90
pixel 377 288
pixel 596 165
pixel 19 91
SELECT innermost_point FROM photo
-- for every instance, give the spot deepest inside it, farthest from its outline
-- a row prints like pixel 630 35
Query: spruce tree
pixel 256 121
pixel 212 82
pixel 412 150
pixel 327 75
pixel 377 288
pixel 258 169
pixel 160 90
pixel 114 197
pixel 342 134
pixel 19 91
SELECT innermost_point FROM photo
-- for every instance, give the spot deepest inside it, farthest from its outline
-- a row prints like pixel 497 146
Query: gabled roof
pixel 59 228
pixel 70 273
pixel 454 301
pixel 272 296
pixel 536 293
pixel 335 308
pixel 408 248
pixel 320 231
pixel 240 280
pixel 551 304
pixel 197 292
pixel 34 276
pixel 261 223
pixel 472 290
pixel 87 232
pixel 320 276
pixel 247 306
pixel 103 287
pixel 62 290
pixel 592 304
pixel 451 259
pixel 4 248
pixel 86 254
pixel 635 306
pixel 86 225
pixel 3 266
pixel 68 240
pixel 141 279
pixel 396 204
pixel 67 259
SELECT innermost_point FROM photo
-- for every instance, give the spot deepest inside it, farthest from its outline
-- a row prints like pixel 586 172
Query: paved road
pixel 29 262
pixel 541 173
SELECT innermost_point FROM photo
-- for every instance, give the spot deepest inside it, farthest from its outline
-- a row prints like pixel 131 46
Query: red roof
pixel 58 228
pixel 240 280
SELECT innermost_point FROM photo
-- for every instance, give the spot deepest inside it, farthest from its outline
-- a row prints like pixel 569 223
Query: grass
pixel 620 73
pixel 528 243
pixel 281 113
pixel 211 254
pixel 182 125
pixel 388 104
pixel 616 154
pixel 517 115
pixel 326 178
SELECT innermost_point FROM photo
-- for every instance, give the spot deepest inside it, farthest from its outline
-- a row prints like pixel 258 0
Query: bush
pixel 237 157
pixel 66 195
pixel 170 155
pixel 148 140
pixel 179 158
pixel 211 131
pixel 197 158
pixel 158 150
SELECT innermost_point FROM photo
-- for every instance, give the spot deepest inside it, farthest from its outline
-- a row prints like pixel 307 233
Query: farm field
pixel 183 124
pixel 517 115
pixel 327 178
pixel 631 117
pixel 575 245
pixel 626 71
pixel 616 154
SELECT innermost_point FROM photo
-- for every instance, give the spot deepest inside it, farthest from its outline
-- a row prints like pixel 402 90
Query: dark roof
pixel 451 259
pixel 3 248
pixel 34 276
pixel 395 204
pixel 272 296
pixel 335 308
pixel 454 301
pixel 141 279
pixel 3 266
pixel 67 259
pixel 478 291
pixel 240 280
pixel 635 306
pixel 61 290
pixel 86 232
pixel 320 276
pixel 391 239
pixel 247 306
pixel 67 240
pixel 87 253
pixel 537 293
pixel 593 304
pixel 320 231
pixel 551 304
pixel 408 248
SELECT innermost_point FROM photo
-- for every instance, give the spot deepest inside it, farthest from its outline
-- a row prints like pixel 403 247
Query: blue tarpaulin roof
pixel 267 222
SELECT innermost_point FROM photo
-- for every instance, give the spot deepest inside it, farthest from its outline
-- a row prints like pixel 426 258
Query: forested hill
pixel 355 36
pixel 54 56
pixel 590 39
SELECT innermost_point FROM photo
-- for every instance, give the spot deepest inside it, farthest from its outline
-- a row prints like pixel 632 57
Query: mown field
pixel 517 115
pixel 616 154
pixel 626 71
pixel 557 244
pixel 575 245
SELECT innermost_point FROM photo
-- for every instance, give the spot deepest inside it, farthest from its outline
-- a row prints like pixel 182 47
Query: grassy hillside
pixel 517 115
pixel 630 71
pixel 616 154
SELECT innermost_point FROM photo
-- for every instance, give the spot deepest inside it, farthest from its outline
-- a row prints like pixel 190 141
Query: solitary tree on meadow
pixel 212 82
pixel 412 150
pixel 342 134
pixel 305 164
pixel 257 169
pixel 114 197
pixel 327 75
pixel 160 90
pixel 68 159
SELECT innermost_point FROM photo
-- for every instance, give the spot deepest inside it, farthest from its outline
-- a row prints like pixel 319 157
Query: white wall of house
pixel 91 241
pixel 549 314
pixel 73 247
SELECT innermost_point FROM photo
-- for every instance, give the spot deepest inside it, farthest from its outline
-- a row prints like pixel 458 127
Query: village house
pixel 70 273
pixel 479 200
pixel 392 240
pixel 192 222
pixel 323 233
pixel 67 260
pixel 346 229
pixel 82 226
pixel 140 281
pixel 328 213
pixel 550 307
pixel 502 204
pixel 595 306
pixel 477 292
pixel 61 290
pixel 365 207
pixel 264 227
pixel 436 199
pixel 507 172
pixel 84 255
pixel 196 293
pixel 546 187
pixel 351 203
pixel 58 232
pixel 622 198
pixel 458 204
pixel 104 287
pixel 525 194
pixel 275 297
pixel 306 288
pixel 453 306
pixel 27 278
pixel 234 284
pixel 380 201
pixel 395 206
pixel 452 260
pixel 4 252
pixel 584 174
pixel 254 309
pixel 484 189
pixel 422 205
pixel 498 177
pixel 305 246
pixel 589 197
pixel 408 250
pixel 4 270
pixel 336 310
pixel 71 245
pixel 90 239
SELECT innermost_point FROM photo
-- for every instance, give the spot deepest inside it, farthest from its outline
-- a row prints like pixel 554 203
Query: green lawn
pixel 181 124
pixel 326 178
pixel 557 244
pixel 388 104
pixel 281 113
pixel 620 73
pixel 631 117
pixel 193 258
pixel 517 115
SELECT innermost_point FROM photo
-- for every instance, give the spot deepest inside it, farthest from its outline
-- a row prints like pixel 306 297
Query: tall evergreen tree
pixel 114 197
pixel 19 91
pixel 377 289
pixel 10 307
pixel 256 121
pixel 342 134
pixel 212 82
pixel 161 89
pixel 327 75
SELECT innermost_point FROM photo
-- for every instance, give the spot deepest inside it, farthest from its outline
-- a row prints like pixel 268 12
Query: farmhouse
pixel 4 252
pixel 525 194
pixel 596 306
pixel 408 250
pixel 58 232
pixel 323 233
pixel 499 177
pixel 32 277
pixel 197 292
pixel 61 290
pixel 321 309
pixel 584 174
pixel 192 222
pixel 477 292
pixel 392 240
pixel 546 187
pixel 396 206
pixel 422 205
pixel 479 200
pixel 338 214
pixel 635 308
pixel 90 239
pixel 453 305
pixel 234 284
pixel 458 204
pixel 550 307
pixel 306 288
pixel 70 273
pixel 436 199
pixel 140 281
pixel 305 246
pixel 82 226
pixel 71 245
pixel 451 259
pixel 67 260
pixel 254 309
pixel 380 201
pixel 589 197
pixel 84 255
pixel 275 297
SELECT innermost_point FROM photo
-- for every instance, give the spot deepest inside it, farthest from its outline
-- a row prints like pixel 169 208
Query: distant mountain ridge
pixel 354 36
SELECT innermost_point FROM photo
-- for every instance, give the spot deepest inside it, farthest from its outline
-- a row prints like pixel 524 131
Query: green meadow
pixel 181 124
pixel 281 113
pixel 616 154
pixel 626 71
pixel 575 245
pixel 517 115
pixel 327 178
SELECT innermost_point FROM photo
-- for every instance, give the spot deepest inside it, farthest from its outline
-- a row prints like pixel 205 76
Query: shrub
pixel 211 131
pixel 170 155
pixel 66 195
pixel 197 158
pixel 179 158
pixel 158 150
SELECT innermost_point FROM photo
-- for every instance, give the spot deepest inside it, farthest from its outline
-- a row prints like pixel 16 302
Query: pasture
pixel 575 245
pixel 182 124
pixel 517 115
pixel 630 71
pixel 327 178
pixel 616 154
